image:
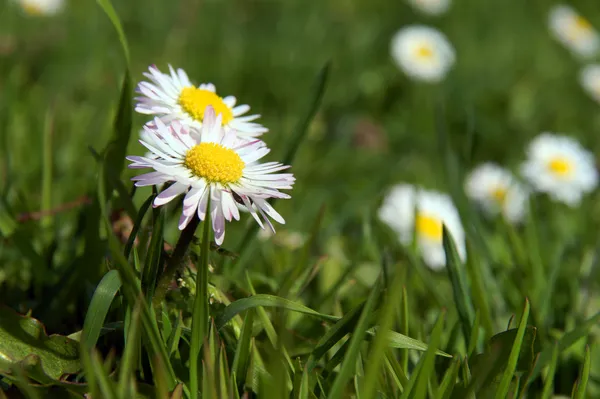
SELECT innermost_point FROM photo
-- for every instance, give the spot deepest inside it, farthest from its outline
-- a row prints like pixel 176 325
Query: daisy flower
pixel 41 7
pixel 174 97
pixel 573 31
pixel 214 164
pixel 430 7
pixel 589 78
pixel 414 212
pixel 497 191
pixel 561 167
pixel 423 53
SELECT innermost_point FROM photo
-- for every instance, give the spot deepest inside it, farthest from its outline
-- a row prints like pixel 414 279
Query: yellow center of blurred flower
pixel 32 9
pixel 561 167
pixel 429 227
pixel 499 194
pixel 214 163
pixel 582 23
pixel 194 101
pixel 424 51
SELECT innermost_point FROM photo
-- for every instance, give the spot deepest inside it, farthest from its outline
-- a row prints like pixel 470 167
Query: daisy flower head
pixel 430 7
pixel 172 96
pixel 213 166
pixel 41 7
pixel 589 78
pixel 561 167
pixel 573 31
pixel 414 212
pixel 423 53
pixel 497 191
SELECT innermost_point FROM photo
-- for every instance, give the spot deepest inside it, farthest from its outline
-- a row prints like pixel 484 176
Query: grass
pixel 332 306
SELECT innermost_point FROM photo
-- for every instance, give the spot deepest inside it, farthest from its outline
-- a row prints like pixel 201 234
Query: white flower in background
pixel 430 7
pixel 497 191
pixel 414 212
pixel 211 163
pixel 174 97
pixel 574 31
pixel 41 7
pixel 561 167
pixel 423 53
pixel 589 77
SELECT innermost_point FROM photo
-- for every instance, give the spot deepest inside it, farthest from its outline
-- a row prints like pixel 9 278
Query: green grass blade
pixel 154 255
pixel 458 278
pixel 130 354
pixel 99 307
pixel 585 375
pixel 449 380
pixel 427 368
pixel 548 391
pixel 269 301
pixel 137 225
pixel 381 341
pixel 509 372
pixel 564 343
pixel 114 19
pixel 47 161
pixel 243 349
pixel 349 364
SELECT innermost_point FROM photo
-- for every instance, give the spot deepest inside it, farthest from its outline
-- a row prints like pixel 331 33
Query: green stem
pixel 174 264
pixel 200 312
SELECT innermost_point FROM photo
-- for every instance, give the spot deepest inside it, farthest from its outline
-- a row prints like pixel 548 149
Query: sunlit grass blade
pixel 99 307
pixel 509 372
pixel 349 364
pixel 458 278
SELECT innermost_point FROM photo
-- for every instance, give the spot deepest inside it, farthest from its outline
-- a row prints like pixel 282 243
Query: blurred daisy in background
pixel 414 212
pixel 589 78
pixel 41 7
pixel 174 97
pixel 574 31
pixel 430 7
pixel 497 191
pixel 423 53
pixel 561 167
pixel 215 164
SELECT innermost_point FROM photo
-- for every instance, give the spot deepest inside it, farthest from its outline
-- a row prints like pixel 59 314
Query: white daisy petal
pixel 38 8
pixel 408 209
pixel 574 31
pixel 559 166
pixel 423 53
pixel 169 194
pixel 430 7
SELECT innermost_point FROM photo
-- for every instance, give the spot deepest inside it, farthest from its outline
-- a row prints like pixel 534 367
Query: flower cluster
pixel 204 146
pixel 421 52
pixel 578 35
pixel 555 164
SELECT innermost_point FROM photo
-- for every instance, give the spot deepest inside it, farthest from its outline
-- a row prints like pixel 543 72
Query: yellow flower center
pixel 499 194
pixel 32 9
pixel 561 167
pixel 194 101
pixel 214 163
pixel 424 51
pixel 429 227
pixel 582 23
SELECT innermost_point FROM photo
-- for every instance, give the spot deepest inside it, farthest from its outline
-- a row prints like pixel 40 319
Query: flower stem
pixel 174 264
pixel 200 312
